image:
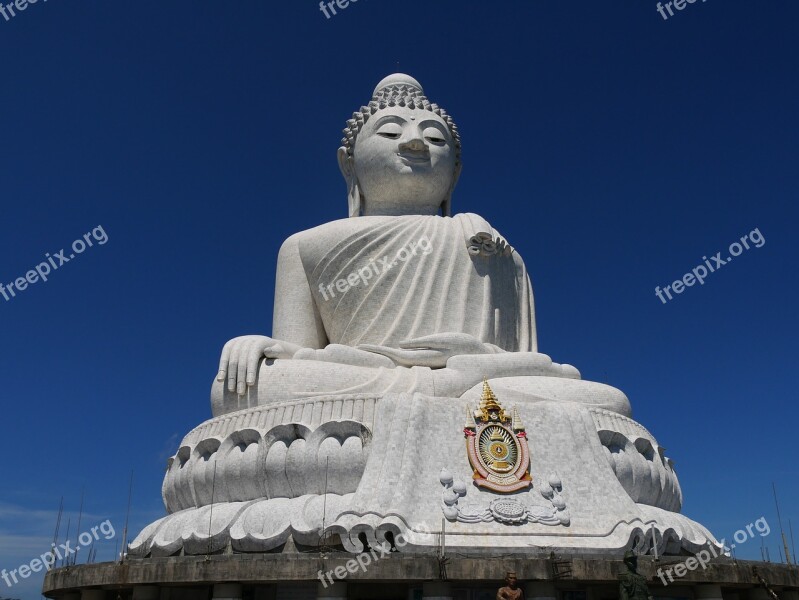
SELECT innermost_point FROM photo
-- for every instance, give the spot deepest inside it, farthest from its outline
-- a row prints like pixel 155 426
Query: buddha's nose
pixel 414 144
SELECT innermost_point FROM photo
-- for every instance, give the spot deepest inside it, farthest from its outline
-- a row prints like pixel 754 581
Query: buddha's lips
pixel 415 158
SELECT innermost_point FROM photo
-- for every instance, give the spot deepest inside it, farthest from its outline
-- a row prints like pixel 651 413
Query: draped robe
pixel 410 276
pixel 383 280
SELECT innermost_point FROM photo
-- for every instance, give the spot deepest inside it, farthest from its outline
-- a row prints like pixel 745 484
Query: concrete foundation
pixel 437 590
pixel 336 591
pixel 403 577
pixel 539 590
pixel 146 592
pixel 227 591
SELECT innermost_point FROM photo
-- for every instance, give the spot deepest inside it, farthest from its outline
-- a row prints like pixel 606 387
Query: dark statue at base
pixel 511 591
pixel 632 585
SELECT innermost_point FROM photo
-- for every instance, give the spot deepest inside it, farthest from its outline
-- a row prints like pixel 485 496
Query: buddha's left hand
pixel 432 350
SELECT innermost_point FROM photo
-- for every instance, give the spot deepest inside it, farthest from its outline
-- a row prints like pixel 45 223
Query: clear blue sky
pixel 614 149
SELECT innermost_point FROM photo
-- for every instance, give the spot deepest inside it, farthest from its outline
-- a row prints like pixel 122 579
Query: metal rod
pixel 55 535
pixel 127 518
pixel 211 512
pixel 782 531
pixel 69 526
pixel 324 507
pixel 443 536
pixel 654 542
pixel 80 518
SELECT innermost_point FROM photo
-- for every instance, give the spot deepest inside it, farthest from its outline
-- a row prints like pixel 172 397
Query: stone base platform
pixel 407 577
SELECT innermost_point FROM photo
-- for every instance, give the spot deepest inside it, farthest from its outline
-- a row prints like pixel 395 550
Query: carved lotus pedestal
pixel 356 471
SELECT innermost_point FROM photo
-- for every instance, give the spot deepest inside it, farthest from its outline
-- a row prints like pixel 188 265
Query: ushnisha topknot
pixel 397 90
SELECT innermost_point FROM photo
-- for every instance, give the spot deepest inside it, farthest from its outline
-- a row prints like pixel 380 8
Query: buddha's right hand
pixel 242 355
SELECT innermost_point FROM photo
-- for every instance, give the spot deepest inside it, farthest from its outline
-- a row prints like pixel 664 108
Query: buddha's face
pixel 404 161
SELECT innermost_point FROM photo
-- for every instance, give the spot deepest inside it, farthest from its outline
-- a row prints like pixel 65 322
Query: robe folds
pixel 382 280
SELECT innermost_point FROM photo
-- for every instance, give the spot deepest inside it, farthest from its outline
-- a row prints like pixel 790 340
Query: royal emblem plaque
pixel 496 444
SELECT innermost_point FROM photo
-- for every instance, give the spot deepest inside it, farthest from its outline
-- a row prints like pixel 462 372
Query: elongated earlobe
pixel 354 198
pixel 446 205
pixel 353 190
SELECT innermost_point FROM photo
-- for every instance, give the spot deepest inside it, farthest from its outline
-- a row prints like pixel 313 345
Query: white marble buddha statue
pixel 399 332
pixel 410 297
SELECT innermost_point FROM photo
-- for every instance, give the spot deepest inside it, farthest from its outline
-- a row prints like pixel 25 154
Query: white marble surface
pixel 395 484
pixel 385 324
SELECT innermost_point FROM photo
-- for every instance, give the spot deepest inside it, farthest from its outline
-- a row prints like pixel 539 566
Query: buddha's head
pixel 400 154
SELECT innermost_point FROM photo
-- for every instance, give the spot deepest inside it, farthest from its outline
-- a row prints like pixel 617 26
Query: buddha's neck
pixel 397 211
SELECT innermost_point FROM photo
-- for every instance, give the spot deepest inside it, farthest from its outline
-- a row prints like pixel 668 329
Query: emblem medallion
pixel 496 444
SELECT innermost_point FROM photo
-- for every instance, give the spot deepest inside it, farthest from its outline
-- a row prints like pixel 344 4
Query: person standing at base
pixel 511 591
pixel 632 585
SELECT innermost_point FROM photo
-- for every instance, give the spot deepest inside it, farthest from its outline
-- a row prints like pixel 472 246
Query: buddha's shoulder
pixel 327 234
pixel 314 234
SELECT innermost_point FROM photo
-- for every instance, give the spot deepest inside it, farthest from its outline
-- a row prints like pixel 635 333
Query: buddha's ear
pixel 348 171
pixel 345 164
pixel 446 205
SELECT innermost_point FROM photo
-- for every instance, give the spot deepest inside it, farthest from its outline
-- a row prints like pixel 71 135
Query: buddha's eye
pixel 392 131
pixel 434 136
